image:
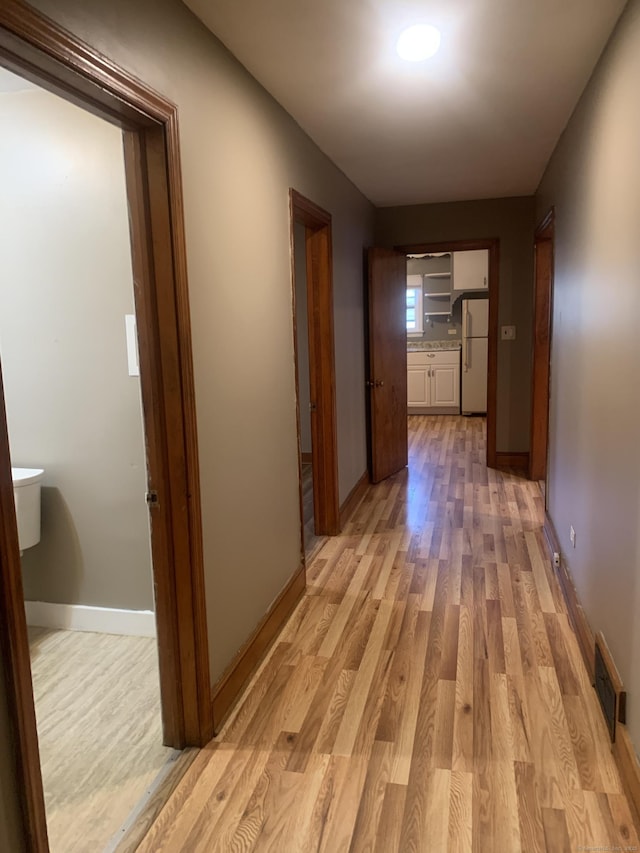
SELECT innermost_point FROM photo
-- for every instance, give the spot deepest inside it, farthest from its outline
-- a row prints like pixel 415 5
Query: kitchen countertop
pixel 430 346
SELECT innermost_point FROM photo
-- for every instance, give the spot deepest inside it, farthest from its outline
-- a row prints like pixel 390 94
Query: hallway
pixel 426 695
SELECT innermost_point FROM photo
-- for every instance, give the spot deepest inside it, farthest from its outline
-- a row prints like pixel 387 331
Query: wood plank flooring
pixel 426 695
pixel 97 700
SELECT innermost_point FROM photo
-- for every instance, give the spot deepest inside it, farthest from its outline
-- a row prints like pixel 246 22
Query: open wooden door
pixel 387 368
pixel 541 373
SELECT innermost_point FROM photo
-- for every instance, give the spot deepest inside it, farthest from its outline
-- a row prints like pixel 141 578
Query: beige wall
pixel 240 155
pixel 65 286
pixel 512 220
pixel 593 180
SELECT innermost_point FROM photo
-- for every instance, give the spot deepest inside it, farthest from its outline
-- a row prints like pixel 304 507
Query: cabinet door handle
pixel 379 383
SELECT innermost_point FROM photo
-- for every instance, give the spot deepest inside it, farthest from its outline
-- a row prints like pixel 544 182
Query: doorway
pixel 33 47
pixel 542 328
pixel 74 408
pixel 387 333
pixel 312 286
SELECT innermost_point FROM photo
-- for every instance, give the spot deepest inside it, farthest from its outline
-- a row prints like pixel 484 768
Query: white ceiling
pixel 479 120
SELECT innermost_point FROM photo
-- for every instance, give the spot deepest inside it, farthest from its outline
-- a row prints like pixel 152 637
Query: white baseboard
pixel 99 620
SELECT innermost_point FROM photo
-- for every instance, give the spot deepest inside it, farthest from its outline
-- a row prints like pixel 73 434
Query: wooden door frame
pixel 541 361
pixel 493 245
pixel 36 48
pixel 322 372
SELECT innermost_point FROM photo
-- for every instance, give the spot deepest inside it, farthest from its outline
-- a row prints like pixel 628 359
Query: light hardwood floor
pixel 427 694
pixel 97 700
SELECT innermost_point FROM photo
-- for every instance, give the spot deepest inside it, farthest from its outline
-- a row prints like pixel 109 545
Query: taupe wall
pixel 512 220
pixel 240 155
pixel 65 286
pixel 593 180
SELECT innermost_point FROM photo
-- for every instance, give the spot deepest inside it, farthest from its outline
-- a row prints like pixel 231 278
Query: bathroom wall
pixel 65 286
pixel 512 220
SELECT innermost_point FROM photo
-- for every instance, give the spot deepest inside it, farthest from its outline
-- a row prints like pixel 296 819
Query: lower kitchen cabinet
pixel 433 382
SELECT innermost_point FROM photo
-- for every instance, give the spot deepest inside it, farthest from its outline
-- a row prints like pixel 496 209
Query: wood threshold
pixel 148 809
pixel 518 460
pixel 354 497
pixel 228 688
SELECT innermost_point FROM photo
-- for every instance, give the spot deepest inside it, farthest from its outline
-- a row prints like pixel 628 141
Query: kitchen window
pixel 414 310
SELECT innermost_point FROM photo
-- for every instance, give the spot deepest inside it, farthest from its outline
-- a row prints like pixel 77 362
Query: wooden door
pixel 541 373
pixel 387 368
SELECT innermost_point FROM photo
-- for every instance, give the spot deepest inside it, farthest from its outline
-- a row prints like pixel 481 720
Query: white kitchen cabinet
pixel 470 270
pixel 433 382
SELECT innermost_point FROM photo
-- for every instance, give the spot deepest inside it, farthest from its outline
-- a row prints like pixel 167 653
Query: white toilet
pixel 26 494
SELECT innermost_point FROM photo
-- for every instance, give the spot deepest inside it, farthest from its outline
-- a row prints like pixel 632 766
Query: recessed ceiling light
pixel 418 43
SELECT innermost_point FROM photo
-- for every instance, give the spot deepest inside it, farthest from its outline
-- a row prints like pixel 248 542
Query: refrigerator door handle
pixel 468 324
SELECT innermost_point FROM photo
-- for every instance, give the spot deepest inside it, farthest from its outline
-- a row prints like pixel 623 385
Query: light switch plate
pixel 508 333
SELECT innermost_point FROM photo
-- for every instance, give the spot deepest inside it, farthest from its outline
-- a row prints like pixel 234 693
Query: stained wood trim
pixel 493 245
pixel 227 689
pixel 622 748
pixel 14 647
pixel 519 461
pixel 354 497
pixel 541 359
pixel 629 767
pixel 586 638
pixel 306 457
pixel 324 437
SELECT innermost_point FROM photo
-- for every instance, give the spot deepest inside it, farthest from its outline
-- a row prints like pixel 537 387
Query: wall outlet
pixel 508 333
pixel 452 331
pixel 572 536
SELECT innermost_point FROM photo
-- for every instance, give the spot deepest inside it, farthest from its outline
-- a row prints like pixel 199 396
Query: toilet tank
pixel 26 494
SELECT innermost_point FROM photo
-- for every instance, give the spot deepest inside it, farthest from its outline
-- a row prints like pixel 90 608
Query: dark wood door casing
pixel 35 47
pixel 541 362
pixel 387 362
pixel 324 438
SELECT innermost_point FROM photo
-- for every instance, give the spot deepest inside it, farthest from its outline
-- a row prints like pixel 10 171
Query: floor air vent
pixel 609 687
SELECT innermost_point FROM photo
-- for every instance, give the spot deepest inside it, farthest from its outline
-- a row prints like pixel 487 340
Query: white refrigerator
pixel 475 347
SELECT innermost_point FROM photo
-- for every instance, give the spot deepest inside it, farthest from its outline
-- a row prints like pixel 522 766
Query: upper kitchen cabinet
pixel 470 271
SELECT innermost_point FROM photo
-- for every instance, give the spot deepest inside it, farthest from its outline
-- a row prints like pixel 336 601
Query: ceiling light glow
pixel 418 43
